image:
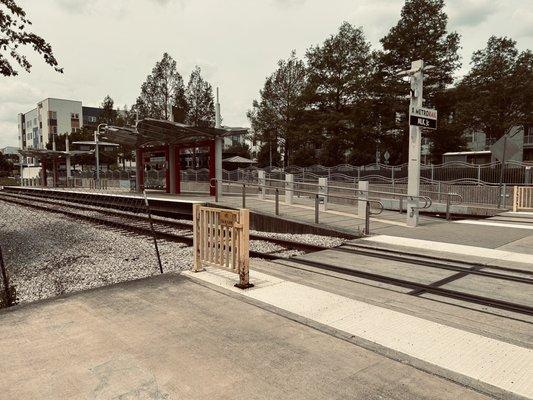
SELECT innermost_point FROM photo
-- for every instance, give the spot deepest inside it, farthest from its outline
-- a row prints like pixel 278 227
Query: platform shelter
pixel 49 160
pixel 169 139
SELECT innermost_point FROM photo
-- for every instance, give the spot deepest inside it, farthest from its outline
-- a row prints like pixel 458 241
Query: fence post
pixel 432 173
pixel 196 237
pixel 392 177
pixel 401 204
pixel 504 200
pixel 515 197
pixel 261 180
pixel 244 250
pixel 243 195
pixel 323 191
pixel 289 188
pixel 317 201
pixel 448 207
pixel 363 197
pixel 479 174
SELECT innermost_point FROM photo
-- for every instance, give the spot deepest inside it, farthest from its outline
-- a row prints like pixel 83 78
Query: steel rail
pixel 468 297
pixel 288 244
pixel 382 254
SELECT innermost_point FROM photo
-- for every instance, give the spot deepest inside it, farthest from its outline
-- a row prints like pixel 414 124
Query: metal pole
pixel 367 218
pixel 401 204
pixel 415 145
pixel 243 195
pixel 97 155
pixel 316 208
pixel 447 206
pixel 502 170
pixel 277 201
pixel 153 231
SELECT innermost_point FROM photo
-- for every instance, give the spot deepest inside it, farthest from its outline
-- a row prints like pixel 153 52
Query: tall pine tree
pixel 163 92
pixel 337 91
pixel 276 117
pixel 200 101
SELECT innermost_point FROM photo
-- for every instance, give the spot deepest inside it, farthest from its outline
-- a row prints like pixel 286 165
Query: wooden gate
pixel 221 240
pixel 523 198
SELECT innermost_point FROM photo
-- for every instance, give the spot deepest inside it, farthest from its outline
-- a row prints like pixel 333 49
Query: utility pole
pixel 416 74
pixel 219 144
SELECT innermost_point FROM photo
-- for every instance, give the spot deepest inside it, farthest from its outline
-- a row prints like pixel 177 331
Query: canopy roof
pixel 92 143
pixel 45 153
pixel 239 160
pixel 152 131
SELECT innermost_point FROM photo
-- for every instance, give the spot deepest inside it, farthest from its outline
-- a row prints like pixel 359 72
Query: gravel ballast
pixel 50 254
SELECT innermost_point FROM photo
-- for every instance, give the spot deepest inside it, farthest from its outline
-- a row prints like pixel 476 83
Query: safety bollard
pixel 243 195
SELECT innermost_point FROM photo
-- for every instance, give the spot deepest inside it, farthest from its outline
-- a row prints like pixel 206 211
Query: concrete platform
pixel 495 366
pixel 170 338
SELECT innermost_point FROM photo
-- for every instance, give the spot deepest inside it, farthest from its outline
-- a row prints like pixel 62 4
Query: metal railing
pixel 317 196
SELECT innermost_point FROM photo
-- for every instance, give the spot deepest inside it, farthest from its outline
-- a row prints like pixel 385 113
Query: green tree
pixel 497 93
pixel 421 33
pixel 239 149
pixel 276 118
pixel 14 34
pixel 339 73
pixel 200 101
pixel 163 92
pixel 268 155
pixel 108 114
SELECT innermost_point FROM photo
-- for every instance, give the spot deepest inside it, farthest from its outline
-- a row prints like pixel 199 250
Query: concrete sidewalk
pixel 170 338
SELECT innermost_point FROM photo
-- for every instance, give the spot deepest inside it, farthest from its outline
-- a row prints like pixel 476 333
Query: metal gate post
pixel 317 201
pixel 289 188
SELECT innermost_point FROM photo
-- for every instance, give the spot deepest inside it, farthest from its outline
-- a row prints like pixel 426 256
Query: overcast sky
pixel 108 47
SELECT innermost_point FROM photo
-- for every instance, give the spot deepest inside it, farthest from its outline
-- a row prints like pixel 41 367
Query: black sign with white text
pixel 423 122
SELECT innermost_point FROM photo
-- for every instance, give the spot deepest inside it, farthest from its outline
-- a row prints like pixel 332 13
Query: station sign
pixel 423 117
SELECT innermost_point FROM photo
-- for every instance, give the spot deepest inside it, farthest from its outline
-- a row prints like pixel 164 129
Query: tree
pixel 163 92
pixel 421 33
pixel 200 102
pixel 276 117
pixel 268 155
pixel 497 93
pixel 337 89
pixel 241 149
pixel 14 34
pixel 108 114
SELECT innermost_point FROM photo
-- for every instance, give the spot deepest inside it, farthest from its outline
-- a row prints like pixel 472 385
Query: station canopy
pixel 154 131
pixel 43 154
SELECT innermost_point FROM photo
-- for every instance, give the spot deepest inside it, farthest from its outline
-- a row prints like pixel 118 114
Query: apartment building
pixel 53 116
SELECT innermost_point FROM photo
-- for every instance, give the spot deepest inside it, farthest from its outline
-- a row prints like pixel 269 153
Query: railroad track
pixel 176 231
pixel 418 288
pixel 135 222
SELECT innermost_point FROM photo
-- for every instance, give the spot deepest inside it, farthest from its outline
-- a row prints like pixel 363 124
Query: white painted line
pixel 490 361
pixel 452 248
pixel 500 224
pixel 518 213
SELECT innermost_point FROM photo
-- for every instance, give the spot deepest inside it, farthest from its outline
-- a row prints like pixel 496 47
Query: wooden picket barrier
pixel 523 198
pixel 221 240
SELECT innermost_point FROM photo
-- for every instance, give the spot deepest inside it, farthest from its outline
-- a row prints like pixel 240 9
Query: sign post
pixel 418 117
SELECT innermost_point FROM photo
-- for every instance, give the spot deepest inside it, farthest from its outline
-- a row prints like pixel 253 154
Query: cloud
pixel 470 13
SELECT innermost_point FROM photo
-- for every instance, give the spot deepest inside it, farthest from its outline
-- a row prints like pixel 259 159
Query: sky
pixel 109 47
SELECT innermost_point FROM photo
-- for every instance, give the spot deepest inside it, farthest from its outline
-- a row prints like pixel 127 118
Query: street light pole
pixel 97 152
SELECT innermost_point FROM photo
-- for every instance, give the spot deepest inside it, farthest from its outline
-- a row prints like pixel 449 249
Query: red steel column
pixel 167 169
pixel 139 166
pixel 178 170
pixel 212 172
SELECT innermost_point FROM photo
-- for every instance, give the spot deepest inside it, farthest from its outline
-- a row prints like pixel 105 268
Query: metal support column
pixel 171 169
pixel 139 168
